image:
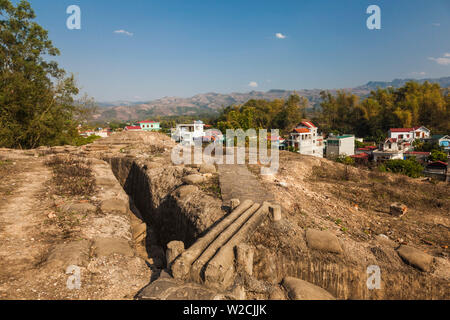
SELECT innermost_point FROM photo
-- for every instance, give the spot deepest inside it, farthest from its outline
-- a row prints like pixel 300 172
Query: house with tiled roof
pixel 133 128
pixel 306 140
pixel 389 149
pixel 409 134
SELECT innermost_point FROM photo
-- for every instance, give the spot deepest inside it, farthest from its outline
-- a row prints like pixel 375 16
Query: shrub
pixel 409 167
pixel 437 155
pixel 81 141
pixel 345 160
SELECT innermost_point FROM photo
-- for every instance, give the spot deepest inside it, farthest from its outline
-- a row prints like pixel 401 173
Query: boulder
pixel 104 247
pixel 301 290
pixel 67 254
pixel 398 209
pixel 323 241
pixel 170 289
pixel 194 179
pixel 114 206
pixel 416 258
pixel 207 168
pixel 184 191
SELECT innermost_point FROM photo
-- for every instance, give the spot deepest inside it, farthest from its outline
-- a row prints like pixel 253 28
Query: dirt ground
pixel 355 202
pixel 35 228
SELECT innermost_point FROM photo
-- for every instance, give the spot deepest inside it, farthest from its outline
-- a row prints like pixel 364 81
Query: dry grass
pixel 72 176
pixel 212 187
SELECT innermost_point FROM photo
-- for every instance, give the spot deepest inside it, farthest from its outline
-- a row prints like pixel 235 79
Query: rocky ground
pixel 122 200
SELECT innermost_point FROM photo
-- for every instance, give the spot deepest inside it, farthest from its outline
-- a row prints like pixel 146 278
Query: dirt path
pixel 237 182
pixel 21 214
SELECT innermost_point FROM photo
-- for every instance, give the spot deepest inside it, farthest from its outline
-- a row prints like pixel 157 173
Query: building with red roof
pixel 306 139
pixel 409 134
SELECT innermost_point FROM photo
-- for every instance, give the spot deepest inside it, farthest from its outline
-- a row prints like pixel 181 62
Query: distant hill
pixel 397 83
pixel 212 103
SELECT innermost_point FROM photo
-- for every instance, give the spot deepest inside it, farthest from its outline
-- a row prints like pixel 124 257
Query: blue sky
pixel 182 48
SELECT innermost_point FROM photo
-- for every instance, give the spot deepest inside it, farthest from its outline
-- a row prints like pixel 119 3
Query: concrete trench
pixel 161 213
pixel 189 218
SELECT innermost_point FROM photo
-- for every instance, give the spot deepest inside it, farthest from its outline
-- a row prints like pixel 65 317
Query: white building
pixel 340 146
pixel 409 134
pixel 390 149
pixel 188 133
pixel 306 140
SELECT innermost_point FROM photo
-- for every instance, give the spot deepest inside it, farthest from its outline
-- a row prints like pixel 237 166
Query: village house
pixel 212 135
pixel 189 133
pixel 133 128
pixel 437 170
pixel 365 153
pixel 442 140
pixel 340 146
pixel 409 134
pixel 390 149
pixel 277 141
pixel 306 140
pixel 149 125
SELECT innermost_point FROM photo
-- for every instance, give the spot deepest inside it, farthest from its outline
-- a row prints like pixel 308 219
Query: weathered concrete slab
pixel 237 182
pixel 298 289
pixel 416 258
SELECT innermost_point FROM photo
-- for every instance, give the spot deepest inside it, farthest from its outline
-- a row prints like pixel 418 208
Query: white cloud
pixel 444 60
pixel 124 32
pixel 253 84
pixel 418 73
pixel 280 36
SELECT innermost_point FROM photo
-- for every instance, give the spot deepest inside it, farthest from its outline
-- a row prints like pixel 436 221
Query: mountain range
pixel 212 103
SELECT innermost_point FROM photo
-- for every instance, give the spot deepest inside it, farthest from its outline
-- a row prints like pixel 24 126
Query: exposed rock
pixel 244 258
pixel 83 207
pixel 170 289
pixel 323 241
pixel 207 168
pixel 174 250
pixel 108 246
pixel 275 212
pixel 235 203
pixel 277 294
pixel 67 254
pixel 416 258
pixel 139 231
pixel 398 209
pixel 184 191
pixel 105 181
pixel 301 290
pixel 194 179
pixel 114 206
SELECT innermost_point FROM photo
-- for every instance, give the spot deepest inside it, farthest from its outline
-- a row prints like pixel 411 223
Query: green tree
pixel 437 155
pixel 36 97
